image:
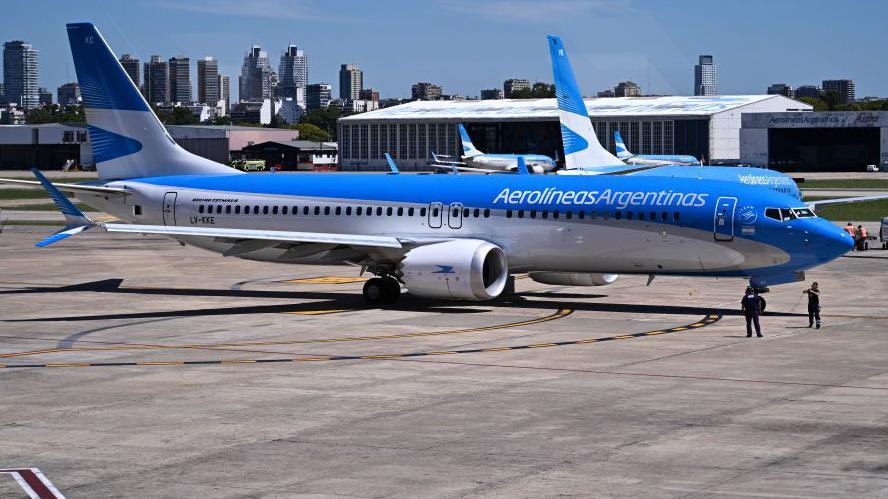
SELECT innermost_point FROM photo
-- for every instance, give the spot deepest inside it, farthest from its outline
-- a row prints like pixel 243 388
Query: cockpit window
pixel 787 214
pixel 774 214
pixel 803 212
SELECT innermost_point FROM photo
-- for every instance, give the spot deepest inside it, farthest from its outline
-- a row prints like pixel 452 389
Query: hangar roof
pixel 547 108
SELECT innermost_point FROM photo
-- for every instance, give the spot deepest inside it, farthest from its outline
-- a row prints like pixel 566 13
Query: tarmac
pixel 136 367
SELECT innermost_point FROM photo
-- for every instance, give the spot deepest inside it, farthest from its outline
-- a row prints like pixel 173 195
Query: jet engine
pixel 464 269
pixel 573 278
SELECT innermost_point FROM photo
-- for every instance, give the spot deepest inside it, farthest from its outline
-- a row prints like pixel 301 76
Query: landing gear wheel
pixel 381 290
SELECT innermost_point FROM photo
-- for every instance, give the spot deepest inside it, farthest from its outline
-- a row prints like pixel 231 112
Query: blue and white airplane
pixel 440 236
pixel 650 159
pixel 474 160
pixel 584 154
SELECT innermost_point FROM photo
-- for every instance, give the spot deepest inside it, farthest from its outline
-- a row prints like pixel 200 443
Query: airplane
pixel 440 236
pixel 474 160
pixel 651 159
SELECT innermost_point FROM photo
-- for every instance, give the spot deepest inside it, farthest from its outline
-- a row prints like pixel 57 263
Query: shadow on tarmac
pixel 353 301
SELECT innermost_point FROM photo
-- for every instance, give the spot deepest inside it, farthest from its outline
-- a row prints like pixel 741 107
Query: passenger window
pixel 641 215
pixel 675 216
pixel 265 210
pixel 664 216
pixel 388 211
pixel 379 211
pixel 569 214
pixel 593 214
pixel 200 209
pixel 422 212
pixel 326 210
pixel 237 210
pixel 228 209
pixel 284 210
pixel 533 213
pixel 555 214
pixel 486 212
pixel 256 210
pixel 339 210
pixel 219 210
pixel 508 213
pixel 653 217
pixel 545 213
pixel 305 210
pixel 348 211
pixel 400 212
pixel 477 212
pixel 295 210
pixel 434 212
pixel 317 210
pixel 582 214
pixel 465 213
pixel 520 213
pixel 359 211
pixel 628 215
pixel 137 210
pixel 618 215
pixel 773 213
pixel 410 212
pixel 274 210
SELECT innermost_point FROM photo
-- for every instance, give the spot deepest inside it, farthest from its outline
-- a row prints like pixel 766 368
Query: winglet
pixel 391 163
pixel 522 166
pixel 76 221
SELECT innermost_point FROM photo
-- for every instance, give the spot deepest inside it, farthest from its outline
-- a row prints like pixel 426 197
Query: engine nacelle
pixel 465 269
pixel 573 278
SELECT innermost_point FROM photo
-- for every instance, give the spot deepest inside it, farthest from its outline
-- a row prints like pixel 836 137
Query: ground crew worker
pixel 752 305
pixel 813 304
pixel 851 232
pixel 860 238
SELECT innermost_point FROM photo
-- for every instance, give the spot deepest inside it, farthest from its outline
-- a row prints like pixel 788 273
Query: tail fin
pixel 127 138
pixel 622 152
pixel 391 163
pixel 469 149
pixel 581 146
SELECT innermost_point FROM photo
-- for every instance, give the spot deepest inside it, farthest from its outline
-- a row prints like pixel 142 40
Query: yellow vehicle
pixel 249 165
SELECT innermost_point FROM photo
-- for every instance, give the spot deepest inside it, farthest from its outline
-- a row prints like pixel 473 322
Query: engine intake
pixel 573 278
pixel 465 269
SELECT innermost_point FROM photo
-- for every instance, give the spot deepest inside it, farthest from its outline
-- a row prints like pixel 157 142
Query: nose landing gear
pixel 381 290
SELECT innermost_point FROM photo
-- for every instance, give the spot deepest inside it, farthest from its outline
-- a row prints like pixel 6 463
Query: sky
pixel 468 45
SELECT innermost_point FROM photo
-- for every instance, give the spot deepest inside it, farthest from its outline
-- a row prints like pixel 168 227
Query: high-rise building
pixel 2 94
pixel 491 94
pixel 44 96
pixel 351 81
pixel 225 91
pixel 68 94
pixel 208 81
pixel 706 76
pixel 318 95
pixel 807 91
pixel 426 91
pixel 627 89
pixel 156 76
pixel 20 74
pixel 514 85
pixel 845 88
pixel 293 74
pixel 180 79
pixel 256 75
pixel 131 66
pixel 368 94
pixel 781 89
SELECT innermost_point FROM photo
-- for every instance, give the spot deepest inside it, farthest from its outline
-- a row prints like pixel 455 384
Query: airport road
pixel 675 412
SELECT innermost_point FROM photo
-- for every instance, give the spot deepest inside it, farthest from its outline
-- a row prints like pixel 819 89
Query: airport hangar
pixel 815 141
pixel 706 127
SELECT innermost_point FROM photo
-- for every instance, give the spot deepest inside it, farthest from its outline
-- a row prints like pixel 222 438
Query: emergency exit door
pixel 436 215
pixel 169 208
pixel 723 220
pixel 455 215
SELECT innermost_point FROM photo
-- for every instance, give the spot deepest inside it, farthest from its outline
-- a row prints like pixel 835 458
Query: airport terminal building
pixel 817 141
pixel 706 127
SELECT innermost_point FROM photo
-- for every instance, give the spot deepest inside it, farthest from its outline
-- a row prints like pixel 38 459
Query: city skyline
pixel 656 56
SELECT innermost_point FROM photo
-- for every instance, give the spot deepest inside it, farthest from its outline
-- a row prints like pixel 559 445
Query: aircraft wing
pixel 73 188
pixel 454 166
pixel 259 235
pixel 608 170
pixel 860 199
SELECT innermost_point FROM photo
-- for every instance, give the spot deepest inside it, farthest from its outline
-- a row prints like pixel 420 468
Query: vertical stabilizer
pixel 581 146
pixel 127 139
pixel 469 150
pixel 622 152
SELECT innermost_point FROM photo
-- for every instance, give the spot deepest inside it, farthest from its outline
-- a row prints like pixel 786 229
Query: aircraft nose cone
pixel 831 242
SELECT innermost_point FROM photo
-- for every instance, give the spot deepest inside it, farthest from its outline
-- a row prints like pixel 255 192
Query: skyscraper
pixel 845 88
pixel 68 94
pixel 318 95
pixel 157 81
pixel 45 96
pixel 293 74
pixel 180 79
pixel 225 91
pixel 351 81
pixel 208 81
pixel 131 66
pixel 706 77
pixel 20 74
pixel 256 75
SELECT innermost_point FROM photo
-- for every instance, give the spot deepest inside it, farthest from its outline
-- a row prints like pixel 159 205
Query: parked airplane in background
pixel 474 160
pixel 650 159
pixel 441 236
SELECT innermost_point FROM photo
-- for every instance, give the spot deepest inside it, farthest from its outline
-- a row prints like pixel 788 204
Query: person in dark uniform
pixel 813 304
pixel 752 305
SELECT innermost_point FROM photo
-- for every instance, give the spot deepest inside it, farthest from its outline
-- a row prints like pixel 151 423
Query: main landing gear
pixel 381 290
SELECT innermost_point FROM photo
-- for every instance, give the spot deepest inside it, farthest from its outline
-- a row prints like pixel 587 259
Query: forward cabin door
pixel 723 219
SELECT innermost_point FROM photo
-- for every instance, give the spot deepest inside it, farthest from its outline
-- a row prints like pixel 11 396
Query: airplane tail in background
pixel 581 146
pixel 128 141
pixel 622 152
pixel 469 150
